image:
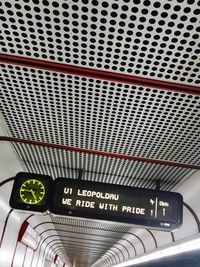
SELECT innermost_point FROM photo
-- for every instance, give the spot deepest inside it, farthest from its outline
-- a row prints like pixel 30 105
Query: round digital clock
pixel 32 192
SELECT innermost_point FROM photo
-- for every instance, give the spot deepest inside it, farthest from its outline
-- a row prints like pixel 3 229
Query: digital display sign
pixel 101 201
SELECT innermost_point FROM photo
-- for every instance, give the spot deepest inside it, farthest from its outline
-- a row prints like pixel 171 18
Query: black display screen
pixel 101 201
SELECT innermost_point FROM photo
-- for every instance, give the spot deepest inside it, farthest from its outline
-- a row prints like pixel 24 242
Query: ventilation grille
pixel 152 39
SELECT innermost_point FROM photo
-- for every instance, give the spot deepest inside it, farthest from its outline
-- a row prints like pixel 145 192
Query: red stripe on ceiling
pixel 97 74
pixel 22 230
pixel 100 153
pixel 55 258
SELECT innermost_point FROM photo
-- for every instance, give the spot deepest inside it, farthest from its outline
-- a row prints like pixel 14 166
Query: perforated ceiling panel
pixel 153 39
pixel 58 163
pixel 105 116
pixel 95 114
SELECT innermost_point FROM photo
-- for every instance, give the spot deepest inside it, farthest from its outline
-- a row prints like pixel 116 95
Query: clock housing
pixel 31 192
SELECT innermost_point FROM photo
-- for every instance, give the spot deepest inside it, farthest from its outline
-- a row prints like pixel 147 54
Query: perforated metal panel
pixel 152 39
pixel 106 116
pixel 95 114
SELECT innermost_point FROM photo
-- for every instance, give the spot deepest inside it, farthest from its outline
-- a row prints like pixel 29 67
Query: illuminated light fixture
pixel 28 236
pixel 178 247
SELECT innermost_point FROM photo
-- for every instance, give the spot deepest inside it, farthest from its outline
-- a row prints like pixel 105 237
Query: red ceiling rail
pixel 98 74
pixel 100 153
